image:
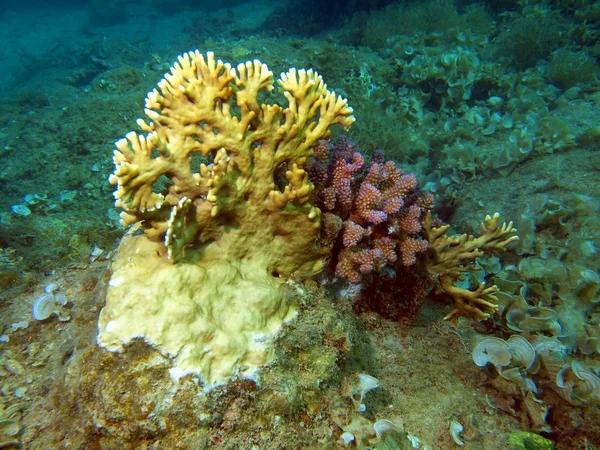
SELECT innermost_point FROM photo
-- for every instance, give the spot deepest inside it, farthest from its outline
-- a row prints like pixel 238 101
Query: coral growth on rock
pixel 452 256
pixel 381 208
pixel 201 284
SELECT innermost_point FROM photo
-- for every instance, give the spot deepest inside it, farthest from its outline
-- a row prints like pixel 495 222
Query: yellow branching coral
pixel 201 283
pixel 192 112
pixel 452 256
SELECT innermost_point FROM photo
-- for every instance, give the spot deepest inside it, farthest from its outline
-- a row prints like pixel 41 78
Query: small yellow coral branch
pixel 298 189
pixel 136 171
pixel 477 304
pixel 452 256
pixel 251 78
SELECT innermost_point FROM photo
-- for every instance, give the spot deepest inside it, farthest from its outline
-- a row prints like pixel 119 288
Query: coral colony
pixel 258 197
pixel 280 268
pixel 216 248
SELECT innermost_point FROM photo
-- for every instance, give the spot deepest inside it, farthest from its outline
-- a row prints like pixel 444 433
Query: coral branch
pixel 451 256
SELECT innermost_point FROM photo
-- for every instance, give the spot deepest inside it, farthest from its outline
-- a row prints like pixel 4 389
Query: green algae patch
pixel 524 440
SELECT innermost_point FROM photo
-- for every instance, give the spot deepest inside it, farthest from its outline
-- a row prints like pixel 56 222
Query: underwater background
pixel 493 106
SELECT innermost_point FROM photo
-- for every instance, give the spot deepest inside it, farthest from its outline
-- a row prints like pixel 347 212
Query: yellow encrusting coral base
pixel 214 319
